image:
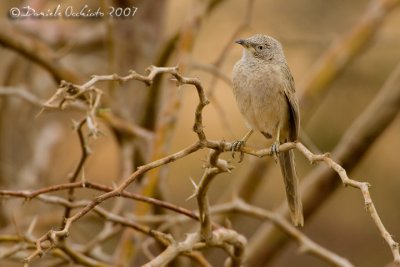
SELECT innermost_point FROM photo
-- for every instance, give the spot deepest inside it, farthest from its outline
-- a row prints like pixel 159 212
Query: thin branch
pixel 79 168
pixel 125 127
pixel 29 195
pixel 220 238
pixel 305 243
pixel 80 258
pixel 364 188
pixel 213 70
pixel 36 51
pixel 215 166
pixel 174 250
pixel 23 94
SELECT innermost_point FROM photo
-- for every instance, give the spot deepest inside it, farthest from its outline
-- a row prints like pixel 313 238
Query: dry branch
pixel 36 51
pixel 207 235
pixel 23 94
pixel 70 92
pixel 306 245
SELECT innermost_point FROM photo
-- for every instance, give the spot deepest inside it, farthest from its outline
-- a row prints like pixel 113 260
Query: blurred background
pixel 340 54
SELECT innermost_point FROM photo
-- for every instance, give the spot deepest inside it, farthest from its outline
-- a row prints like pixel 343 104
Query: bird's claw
pixel 236 146
pixel 275 151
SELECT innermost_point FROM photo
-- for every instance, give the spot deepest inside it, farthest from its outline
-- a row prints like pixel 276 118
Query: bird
pixel 264 89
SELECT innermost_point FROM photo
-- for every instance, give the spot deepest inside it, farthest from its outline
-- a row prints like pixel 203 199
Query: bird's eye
pixel 260 47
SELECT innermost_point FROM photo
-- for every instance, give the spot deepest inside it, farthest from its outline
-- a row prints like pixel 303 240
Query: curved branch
pixel 37 51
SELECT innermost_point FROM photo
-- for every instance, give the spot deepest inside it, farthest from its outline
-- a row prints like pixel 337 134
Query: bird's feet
pixel 237 146
pixel 275 150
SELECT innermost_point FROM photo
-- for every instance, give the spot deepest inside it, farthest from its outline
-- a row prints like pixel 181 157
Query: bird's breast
pixel 259 93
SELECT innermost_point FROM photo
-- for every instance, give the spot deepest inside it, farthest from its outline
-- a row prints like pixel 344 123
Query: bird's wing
pixel 289 89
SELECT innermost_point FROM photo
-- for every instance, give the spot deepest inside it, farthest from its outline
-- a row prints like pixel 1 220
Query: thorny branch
pixel 79 168
pixel 207 235
pixel 306 245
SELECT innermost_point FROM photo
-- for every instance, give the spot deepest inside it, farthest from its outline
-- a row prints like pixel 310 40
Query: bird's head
pixel 262 47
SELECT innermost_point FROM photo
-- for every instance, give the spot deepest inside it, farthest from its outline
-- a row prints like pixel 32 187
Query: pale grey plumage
pixel 265 93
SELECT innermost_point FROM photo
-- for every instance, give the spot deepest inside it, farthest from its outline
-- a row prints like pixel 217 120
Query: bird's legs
pixel 237 145
pixel 275 147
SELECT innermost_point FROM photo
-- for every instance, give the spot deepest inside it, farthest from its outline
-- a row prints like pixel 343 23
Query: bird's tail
pixel 286 161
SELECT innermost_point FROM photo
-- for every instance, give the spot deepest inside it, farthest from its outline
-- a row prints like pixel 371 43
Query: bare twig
pixel 79 168
pixel 29 195
pixel 193 241
pixel 305 243
pixel 36 51
pixel 215 166
pixel 363 187
pixel 124 127
pixel 23 94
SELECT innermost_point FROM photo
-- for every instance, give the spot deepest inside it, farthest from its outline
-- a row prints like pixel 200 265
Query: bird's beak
pixel 242 42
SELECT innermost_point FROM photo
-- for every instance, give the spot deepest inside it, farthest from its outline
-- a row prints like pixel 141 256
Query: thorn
pixel 227 223
pixel 75 124
pixel 302 249
pixel 224 165
pixel 193 183
pixel 63 83
pixel 83 176
pixel 114 185
pixel 39 113
pixel 92 126
pixel 148 69
pixel 191 196
pixel 32 225
pixel 195 189
pixel 88 150
pixel 178 83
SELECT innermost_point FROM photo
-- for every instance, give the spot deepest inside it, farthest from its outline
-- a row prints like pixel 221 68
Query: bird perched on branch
pixel 265 93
